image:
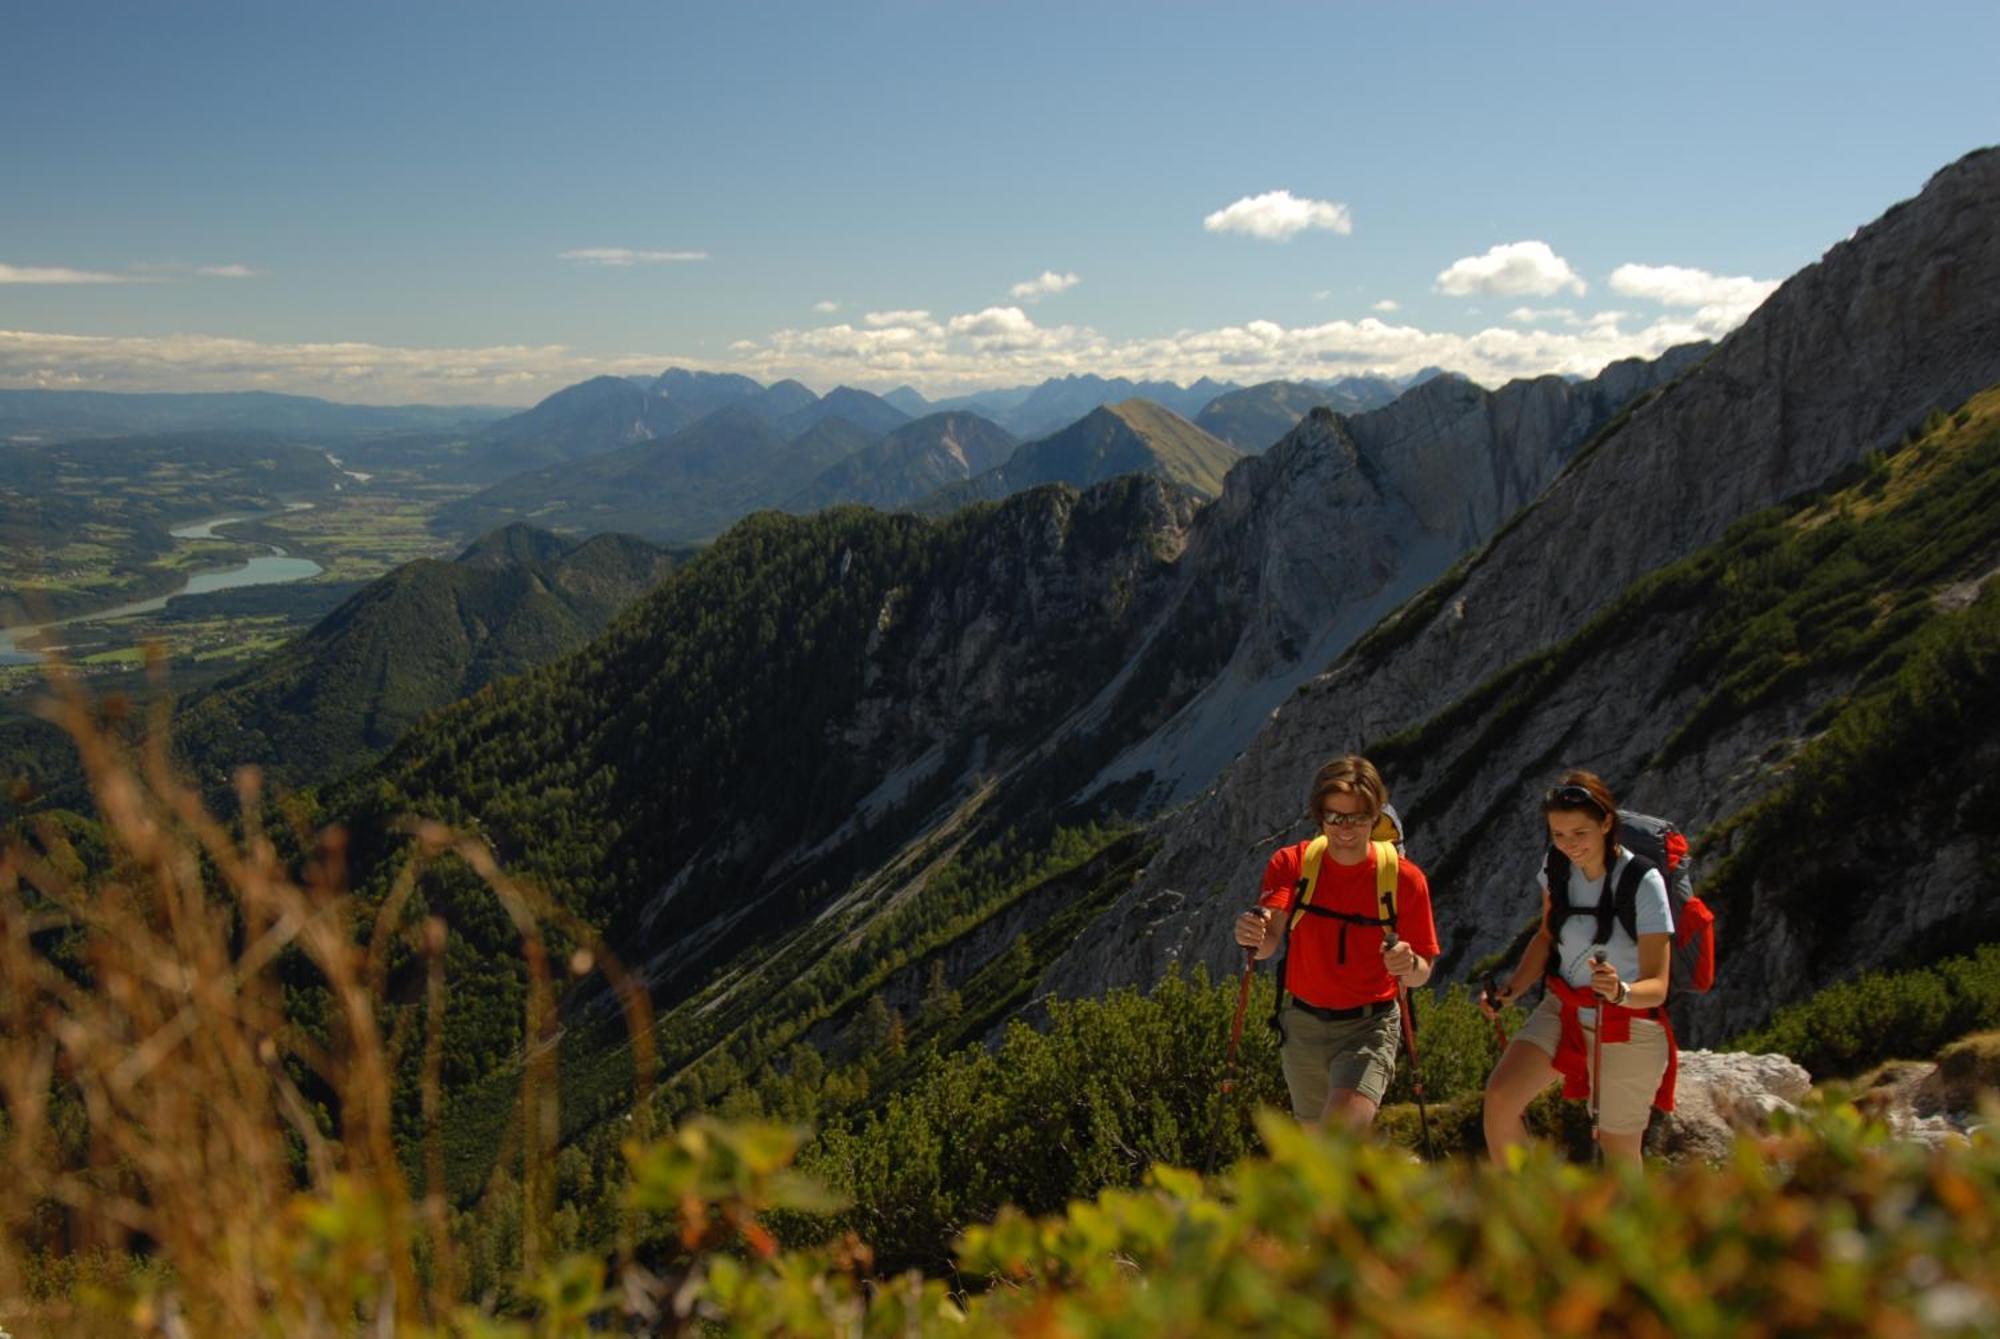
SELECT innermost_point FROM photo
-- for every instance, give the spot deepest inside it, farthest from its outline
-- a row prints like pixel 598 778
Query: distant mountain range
pixel 49 416
pixel 683 488
pixel 607 413
pixel 681 457
pixel 1132 437
pixel 911 463
pixel 691 486
pixel 1256 416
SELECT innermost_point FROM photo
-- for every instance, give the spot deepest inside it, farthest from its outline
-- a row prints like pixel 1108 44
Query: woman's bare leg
pixel 1523 1072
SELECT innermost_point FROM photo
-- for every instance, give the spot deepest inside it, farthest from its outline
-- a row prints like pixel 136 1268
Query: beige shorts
pixel 1631 1070
pixel 1321 1055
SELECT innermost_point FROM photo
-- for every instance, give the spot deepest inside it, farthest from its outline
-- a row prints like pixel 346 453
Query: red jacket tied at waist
pixel 1572 1058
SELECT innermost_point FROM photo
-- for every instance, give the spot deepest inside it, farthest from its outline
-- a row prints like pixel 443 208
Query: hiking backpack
pixel 1386 845
pixel 1654 843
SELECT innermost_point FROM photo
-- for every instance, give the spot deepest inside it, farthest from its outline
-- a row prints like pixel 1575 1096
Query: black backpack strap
pixel 1278 998
pixel 1346 919
pixel 1635 873
pixel 1556 869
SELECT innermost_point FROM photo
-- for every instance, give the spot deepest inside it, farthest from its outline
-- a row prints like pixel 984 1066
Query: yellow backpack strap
pixel 1387 864
pixel 1309 878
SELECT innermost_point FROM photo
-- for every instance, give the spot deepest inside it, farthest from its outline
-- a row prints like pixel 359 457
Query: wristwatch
pixel 1623 991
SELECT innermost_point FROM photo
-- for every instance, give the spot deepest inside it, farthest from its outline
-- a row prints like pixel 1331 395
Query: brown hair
pixel 1349 775
pixel 1600 804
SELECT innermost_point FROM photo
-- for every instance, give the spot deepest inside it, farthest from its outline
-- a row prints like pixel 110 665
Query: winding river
pixel 266 569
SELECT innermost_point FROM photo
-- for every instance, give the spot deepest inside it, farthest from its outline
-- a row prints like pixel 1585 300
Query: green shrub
pixel 1905 1015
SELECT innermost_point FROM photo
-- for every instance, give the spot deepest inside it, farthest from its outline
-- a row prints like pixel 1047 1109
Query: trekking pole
pixel 1597 1070
pixel 1235 1044
pixel 1236 1027
pixel 1406 1005
pixel 1492 994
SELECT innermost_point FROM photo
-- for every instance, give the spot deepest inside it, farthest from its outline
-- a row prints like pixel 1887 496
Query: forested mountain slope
pixel 422 636
pixel 788 710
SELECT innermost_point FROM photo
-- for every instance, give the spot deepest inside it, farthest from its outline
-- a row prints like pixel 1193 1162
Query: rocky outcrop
pixel 1901 319
pixel 1941 1101
pixel 1721 1095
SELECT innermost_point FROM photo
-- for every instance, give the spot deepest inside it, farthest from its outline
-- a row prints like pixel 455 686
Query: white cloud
pixel 1678 286
pixel 1387 305
pixel 1512 269
pixel 1002 346
pixel 622 256
pixel 57 274
pixel 1721 303
pixel 997 346
pixel 1531 315
pixel 826 308
pixel 1278 216
pixel 1047 284
pixel 1002 330
pixel 227 272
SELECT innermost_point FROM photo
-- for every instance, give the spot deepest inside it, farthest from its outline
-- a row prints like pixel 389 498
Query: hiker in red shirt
pixel 1333 899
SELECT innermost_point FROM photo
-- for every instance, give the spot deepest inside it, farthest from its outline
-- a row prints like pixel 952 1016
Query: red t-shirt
pixel 1313 970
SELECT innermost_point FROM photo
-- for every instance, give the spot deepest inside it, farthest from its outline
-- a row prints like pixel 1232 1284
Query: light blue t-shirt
pixel 1572 950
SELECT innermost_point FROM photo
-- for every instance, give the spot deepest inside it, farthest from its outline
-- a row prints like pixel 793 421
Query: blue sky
pixel 459 202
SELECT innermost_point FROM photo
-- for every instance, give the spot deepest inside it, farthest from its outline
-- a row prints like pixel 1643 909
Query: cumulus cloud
pixel 1047 284
pixel 1278 216
pixel 999 330
pixel 621 256
pixel 1530 315
pixel 1002 346
pixel 1512 269
pixel 57 274
pixel 1387 305
pixel 826 308
pixel 996 346
pixel 1720 302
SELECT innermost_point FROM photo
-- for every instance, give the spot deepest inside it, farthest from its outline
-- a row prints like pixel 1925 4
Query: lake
pixel 273 568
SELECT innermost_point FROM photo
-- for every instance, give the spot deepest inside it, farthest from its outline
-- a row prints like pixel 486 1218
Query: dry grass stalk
pixel 157 1100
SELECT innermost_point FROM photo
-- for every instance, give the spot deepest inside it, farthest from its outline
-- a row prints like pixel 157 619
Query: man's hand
pixel 1252 926
pixel 1400 960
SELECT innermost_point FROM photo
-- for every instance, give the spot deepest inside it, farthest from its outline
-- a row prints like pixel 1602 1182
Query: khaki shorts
pixel 1631 1070
pixel 1320 1056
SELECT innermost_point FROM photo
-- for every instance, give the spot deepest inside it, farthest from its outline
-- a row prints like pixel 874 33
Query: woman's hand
pixel 1495 998
pixel 1604 980
pixel 1252 926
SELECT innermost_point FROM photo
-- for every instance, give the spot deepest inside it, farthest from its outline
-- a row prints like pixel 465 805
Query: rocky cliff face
pixel 1901 319
pixel 1319 538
